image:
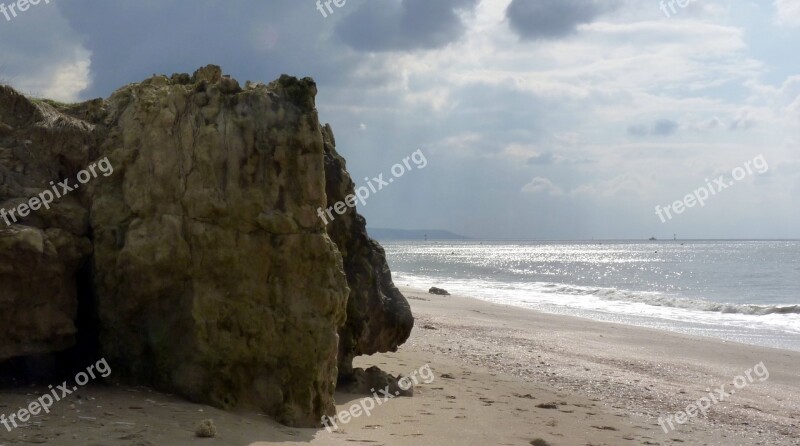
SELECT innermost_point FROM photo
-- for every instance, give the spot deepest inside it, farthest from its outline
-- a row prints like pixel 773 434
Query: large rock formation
pixel 378 316
pixel 211 273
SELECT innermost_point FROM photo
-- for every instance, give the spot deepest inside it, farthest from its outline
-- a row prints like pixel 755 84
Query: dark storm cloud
pixel 258 40
pixel 403 25
pixel 662 127
pixel 550 19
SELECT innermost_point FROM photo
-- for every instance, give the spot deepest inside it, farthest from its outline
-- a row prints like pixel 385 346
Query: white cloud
pixel 64 82
pixel 788 12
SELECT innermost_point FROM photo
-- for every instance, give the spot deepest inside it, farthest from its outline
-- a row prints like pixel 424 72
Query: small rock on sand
pixel 206 429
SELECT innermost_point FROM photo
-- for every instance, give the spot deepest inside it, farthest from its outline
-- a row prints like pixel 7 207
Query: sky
pixel 538 119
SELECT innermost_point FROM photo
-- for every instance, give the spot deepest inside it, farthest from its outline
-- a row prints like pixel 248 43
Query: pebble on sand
pixel 206 429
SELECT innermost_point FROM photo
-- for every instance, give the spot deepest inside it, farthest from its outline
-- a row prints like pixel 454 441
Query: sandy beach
pixel 502 376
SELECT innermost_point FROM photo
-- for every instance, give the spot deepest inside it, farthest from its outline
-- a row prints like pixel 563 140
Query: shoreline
pixel 729 326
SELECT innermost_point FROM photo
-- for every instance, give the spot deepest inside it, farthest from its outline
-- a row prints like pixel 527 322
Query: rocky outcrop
pixel 211 274
pixel 39 259
pixel 214 275
pixel 378 316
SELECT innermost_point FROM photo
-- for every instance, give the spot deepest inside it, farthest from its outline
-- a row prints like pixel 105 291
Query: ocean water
pixel 743 291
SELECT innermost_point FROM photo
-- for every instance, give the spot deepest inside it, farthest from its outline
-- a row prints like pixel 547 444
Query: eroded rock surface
pixel 39 257
pixel 212 275
pixel 379 317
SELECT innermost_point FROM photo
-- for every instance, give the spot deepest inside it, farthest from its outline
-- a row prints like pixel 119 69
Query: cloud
pixel 542 159
pixel 551 19
pixel 131 41
pixel 743 121
pixel 628 185
pixel 541 185
pixel 664 127
pixel 624 185
pixel 708 124
pixel 69 79
pixel 661 127
pixel 43 55
pixel 404 25
pixel 788 12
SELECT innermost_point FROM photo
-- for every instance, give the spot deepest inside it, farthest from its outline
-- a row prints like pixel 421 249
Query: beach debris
pixel 605 428
pixel 438 291
pixel 429 327
pixel 547 405
pixel 539 442
pixel 206 429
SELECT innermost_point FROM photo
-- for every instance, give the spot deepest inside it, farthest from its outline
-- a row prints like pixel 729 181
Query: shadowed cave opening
pixel 53 368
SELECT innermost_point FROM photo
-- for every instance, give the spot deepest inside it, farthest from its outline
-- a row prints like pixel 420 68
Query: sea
pixel 742 291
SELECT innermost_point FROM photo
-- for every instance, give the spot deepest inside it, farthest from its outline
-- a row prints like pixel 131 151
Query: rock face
pixel 214 275
pixel 378 316
pixel 211 274
pixel 39 261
